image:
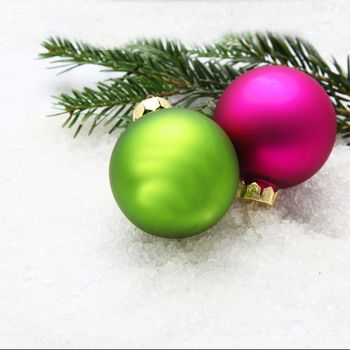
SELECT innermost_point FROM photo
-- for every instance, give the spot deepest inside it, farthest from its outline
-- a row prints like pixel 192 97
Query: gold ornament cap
pixel 253 192
pixel 150 104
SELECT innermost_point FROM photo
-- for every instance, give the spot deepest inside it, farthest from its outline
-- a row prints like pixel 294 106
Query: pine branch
pixel 261 49
pixel 196 76
pixel 74 53
pixel 150 68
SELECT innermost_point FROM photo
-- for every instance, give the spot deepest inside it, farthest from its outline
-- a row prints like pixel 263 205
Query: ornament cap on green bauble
pixel 173 172
pixel 283 126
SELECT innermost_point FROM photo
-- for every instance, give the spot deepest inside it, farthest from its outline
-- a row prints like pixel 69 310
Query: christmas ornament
pixel 283 126
pixel 173 172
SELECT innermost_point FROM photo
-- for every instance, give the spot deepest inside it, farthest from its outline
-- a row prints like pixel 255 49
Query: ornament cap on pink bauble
pixel 281 122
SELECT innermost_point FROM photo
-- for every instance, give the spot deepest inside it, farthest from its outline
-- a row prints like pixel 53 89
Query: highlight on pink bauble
pixel 281 122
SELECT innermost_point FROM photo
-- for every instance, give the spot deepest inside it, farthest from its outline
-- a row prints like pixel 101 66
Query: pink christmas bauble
pixel 281 122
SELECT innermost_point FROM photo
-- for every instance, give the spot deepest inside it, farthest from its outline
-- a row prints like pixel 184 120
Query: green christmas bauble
pixel 174 173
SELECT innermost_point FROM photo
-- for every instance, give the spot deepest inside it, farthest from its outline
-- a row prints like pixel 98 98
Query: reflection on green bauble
pixel 174 173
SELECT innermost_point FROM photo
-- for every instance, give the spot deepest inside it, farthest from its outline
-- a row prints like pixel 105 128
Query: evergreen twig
pixel 195 76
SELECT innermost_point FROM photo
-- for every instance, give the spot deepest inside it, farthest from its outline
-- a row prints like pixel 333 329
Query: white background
pixel 75 273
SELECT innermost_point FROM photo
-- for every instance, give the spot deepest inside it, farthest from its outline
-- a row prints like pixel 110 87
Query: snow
pixel 75 273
